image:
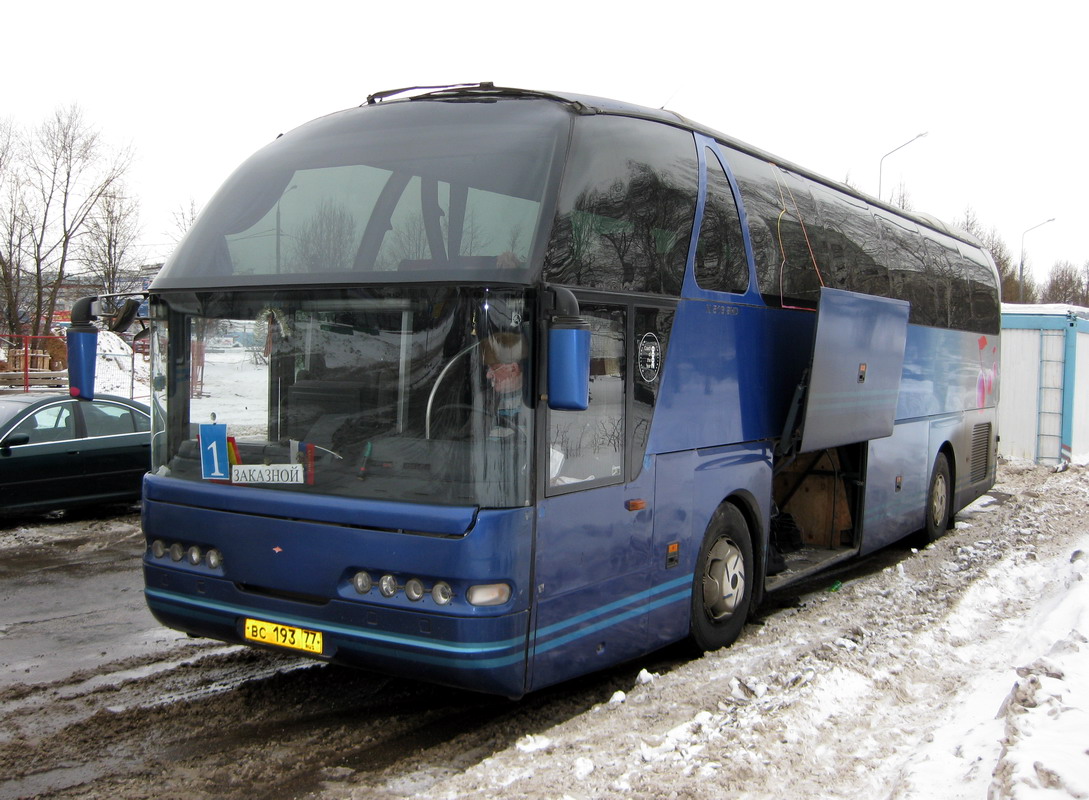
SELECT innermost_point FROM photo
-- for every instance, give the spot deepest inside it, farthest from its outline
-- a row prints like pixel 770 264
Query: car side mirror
pixel 14 440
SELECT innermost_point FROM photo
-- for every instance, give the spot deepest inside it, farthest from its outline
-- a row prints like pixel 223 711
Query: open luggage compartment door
pixel 855 370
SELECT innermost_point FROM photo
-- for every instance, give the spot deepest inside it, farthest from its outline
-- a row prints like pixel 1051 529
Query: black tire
pixel 939 500
pixel 722 586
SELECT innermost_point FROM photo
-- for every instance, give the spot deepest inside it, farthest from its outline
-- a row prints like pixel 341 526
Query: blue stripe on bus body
pixel 195 605
pixel 684 594
pixel 355 633
pixel 548 630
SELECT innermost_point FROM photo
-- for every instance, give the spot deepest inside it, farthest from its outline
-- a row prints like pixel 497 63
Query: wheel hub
pixel 723 579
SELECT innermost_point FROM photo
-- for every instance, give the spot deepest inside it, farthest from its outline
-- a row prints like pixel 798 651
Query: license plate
pixel 258 630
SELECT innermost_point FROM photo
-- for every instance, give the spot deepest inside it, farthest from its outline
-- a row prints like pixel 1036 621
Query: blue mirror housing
pixel 569 364
pixel 82 339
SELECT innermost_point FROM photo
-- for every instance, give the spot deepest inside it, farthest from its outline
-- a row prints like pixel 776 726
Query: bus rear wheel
pixel 723 583
pixel 939 500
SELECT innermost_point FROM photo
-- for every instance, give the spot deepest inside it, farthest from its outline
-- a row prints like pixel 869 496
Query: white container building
pixel 1043 411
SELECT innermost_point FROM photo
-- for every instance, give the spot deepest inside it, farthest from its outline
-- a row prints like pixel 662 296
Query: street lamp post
pixel 1021 268
pixel 881 163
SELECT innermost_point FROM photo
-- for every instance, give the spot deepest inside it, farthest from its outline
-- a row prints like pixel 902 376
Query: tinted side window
pixel 626 207
pixel 720 251
pixel 931 295
pixel 587 447
pixel 780 211
pixel 845 240
pixel 106 419
pixel 984 307
pixel 904 258
pixel 50 424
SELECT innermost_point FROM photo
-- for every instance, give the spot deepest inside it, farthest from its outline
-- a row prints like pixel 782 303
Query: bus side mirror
pixel 82 339
pixel 569 364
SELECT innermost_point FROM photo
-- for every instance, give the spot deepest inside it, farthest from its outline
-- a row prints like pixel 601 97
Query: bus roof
pixel 589 104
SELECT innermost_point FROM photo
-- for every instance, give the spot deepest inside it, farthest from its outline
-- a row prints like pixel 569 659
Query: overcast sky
pixel 1000 89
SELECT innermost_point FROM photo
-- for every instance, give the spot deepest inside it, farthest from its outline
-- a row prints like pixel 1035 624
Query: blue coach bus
pixel 495 387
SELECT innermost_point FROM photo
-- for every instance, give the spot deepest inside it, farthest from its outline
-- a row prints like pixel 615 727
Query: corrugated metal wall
pixel 1043 413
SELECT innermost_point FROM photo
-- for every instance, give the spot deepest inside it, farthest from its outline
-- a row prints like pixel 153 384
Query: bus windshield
pixel 418 192
pixel 411 393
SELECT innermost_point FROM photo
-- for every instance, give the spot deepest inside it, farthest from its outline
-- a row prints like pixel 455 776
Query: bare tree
pixel 1008 268
pixel 12 283
pixel 107 251
pixel 1065 284
pixel 901 197
pixel 66 172
pixel 182 219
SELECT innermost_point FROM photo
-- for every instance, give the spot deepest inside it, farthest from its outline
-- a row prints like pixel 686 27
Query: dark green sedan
pixel 58 452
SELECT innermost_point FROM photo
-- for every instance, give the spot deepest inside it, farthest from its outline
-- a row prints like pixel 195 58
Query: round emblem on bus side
pixel 650 357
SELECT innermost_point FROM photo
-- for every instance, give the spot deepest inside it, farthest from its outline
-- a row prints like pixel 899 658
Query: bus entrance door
pixel 593 561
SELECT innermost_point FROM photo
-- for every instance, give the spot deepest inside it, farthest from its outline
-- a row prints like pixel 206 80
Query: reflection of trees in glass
pixel 626 235
pixel 326 242
pixel 408 241
pixel 474 239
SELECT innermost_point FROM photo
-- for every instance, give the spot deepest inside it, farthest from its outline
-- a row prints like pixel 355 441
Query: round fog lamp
pixel 158 548
pixel 441 593
pixel 414 589
pixel 194 555
pixel 387 586
pixel 215 559
pixel 362 582
pixel 177 552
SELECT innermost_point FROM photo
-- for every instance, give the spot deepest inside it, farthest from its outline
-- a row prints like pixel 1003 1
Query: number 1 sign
pixel 214 462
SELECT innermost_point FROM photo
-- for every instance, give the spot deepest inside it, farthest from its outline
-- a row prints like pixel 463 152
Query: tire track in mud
pixel 203 720
pixel 198 719
pixel 232 722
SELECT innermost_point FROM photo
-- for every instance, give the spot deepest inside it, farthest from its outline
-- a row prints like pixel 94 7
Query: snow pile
pixel 959 671
pixel 1046 714
pixel 119 371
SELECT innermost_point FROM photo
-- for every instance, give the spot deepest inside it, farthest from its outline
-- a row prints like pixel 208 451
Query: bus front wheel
pixel 723 583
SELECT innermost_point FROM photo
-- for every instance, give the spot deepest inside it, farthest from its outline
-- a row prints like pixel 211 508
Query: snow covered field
pixel 961 671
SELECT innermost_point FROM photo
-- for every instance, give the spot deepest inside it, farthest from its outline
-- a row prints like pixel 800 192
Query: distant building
pixel 1043 413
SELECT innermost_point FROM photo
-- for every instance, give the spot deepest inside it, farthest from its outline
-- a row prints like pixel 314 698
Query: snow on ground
pixel 959 671
pixel 119 371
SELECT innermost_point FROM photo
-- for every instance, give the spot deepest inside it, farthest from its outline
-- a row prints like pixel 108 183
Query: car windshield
pixel 400 192
pixel 418 394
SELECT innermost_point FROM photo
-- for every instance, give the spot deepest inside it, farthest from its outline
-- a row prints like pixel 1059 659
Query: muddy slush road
pixel 99 701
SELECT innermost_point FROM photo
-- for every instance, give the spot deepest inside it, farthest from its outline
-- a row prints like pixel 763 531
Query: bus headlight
pixel 158 548
pixel 362 582
pixel 387 585
pixel 215 559
pixel 414 589
pixel 194 555
pixel 177 552
pixel 488 594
